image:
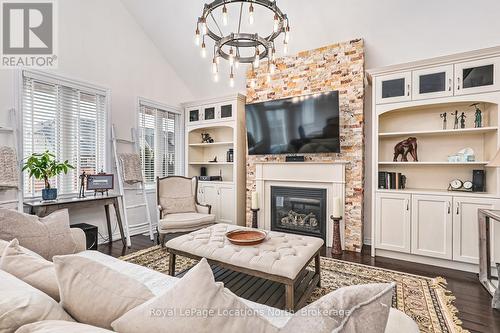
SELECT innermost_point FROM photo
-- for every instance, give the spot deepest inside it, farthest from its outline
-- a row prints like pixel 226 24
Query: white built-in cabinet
pixel 437 226
pixel 426 222
pixel 394 233
pixel 221 196
pixel 431 226
pixel 224 120
pixel 470 77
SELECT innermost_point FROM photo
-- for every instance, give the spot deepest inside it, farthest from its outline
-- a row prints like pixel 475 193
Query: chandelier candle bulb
pixel 203 50
pixel 250 14
pixel 337 207
pixel 224 15
pixel 276 23
pixel 255 200
pixel 197 37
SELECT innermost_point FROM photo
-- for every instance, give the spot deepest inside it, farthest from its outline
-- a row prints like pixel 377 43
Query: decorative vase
pixel 49 193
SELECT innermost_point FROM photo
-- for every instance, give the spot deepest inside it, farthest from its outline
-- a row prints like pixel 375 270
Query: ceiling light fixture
pixel 230 46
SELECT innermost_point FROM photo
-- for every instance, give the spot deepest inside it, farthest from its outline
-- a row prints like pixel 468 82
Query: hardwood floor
pixel 472 300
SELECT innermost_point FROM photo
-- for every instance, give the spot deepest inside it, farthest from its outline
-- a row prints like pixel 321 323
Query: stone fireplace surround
pixel 329 175
pixel 334 67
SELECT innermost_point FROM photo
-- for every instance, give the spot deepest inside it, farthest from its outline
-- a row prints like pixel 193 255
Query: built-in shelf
pixel 460 131
pixel 437 192
pixel 215 182
pixel 434 163
pixel 223 143
pixel 6 129
pixel 210 163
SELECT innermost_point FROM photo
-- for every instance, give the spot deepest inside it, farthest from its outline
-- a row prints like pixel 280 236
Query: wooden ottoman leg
pixel 289 297
pixel 317 267
pixel 171 264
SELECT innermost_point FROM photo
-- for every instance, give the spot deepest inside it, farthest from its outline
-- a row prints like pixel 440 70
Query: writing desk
pixel 43 208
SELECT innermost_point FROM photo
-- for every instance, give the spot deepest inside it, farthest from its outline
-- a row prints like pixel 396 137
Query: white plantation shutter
pixel 159 133
pixel 67 120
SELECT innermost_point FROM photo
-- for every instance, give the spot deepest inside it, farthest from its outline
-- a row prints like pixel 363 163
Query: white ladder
pixel 13 129
pixel 122 189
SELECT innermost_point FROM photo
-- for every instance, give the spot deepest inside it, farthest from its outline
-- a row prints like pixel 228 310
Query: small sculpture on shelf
pixel 443 116
pixel 83 177
pixel 478 116
pixel 404 147
pixel 455 124
pixel 206 138
pixel 462 118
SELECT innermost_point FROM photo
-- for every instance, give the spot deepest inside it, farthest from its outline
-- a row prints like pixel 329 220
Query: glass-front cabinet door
pixel 433 82
pixel 393 88
pixel 209 113
pixel 477 76
pixel 194 115
pixel 226 111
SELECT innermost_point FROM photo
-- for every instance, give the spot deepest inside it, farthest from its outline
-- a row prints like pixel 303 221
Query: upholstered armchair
pixel 179 208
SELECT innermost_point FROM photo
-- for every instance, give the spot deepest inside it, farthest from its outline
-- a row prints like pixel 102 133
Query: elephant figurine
pixel 404 147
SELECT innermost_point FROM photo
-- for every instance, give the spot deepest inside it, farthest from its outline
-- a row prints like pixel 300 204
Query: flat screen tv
pixel 298 125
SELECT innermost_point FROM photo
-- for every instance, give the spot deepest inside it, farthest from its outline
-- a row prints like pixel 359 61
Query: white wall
pixel 101 43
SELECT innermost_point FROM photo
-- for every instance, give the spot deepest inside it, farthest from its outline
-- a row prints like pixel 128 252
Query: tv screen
pixel 298 125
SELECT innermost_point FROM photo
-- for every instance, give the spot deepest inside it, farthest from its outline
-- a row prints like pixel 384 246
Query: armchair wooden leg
pixel 162 239
pixel 171 264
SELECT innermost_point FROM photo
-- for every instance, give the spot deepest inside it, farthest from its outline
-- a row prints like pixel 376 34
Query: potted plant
pixel 44 166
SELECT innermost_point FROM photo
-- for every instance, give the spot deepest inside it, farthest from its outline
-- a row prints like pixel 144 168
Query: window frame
pixel 179 147
pixel 68 82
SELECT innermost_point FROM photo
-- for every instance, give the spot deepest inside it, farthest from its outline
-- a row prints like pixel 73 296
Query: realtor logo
pixel 28 34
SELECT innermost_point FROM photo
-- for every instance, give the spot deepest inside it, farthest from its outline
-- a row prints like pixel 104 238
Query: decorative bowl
pixel 246 237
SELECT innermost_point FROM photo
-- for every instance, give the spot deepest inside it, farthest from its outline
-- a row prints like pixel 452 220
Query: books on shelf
pixel 391 180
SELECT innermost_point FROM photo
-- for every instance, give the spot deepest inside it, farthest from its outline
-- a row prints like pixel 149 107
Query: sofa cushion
pixel 359 308
pixel 47 236
pixel 22 304
pixel 4 244
pixel 60 326
pixel 194 304
pixel 95 294
pixel 185 221
pixel 33 270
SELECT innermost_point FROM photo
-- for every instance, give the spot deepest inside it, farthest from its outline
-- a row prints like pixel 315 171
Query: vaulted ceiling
pixel 394 31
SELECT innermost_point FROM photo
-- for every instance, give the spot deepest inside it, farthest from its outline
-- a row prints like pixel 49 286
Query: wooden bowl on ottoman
pixel 246 237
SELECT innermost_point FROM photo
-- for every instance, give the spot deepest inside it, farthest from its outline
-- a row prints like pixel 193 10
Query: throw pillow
pixel 35 271
pixel 4 244
pixel 59 326
pixel 22 304
pixel 196 303
pixel 360 308
pixel 95 294
pixel 178 205
pixel 47 236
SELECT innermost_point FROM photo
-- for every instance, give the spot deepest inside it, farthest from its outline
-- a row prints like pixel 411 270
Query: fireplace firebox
pixel 299 210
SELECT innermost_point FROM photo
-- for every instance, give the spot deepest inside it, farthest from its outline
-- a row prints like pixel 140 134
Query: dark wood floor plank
pixel 472 301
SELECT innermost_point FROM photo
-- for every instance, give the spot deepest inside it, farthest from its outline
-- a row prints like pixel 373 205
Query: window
pixel 69 121
pixel 159 137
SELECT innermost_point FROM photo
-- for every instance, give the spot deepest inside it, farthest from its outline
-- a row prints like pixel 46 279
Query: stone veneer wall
pixel 334 67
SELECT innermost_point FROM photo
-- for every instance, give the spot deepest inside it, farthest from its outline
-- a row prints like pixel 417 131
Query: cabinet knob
pixel 407 204
pixel 458 83
pixel 449 207
pixel 458 208
pixel 450 83
pixel 408 93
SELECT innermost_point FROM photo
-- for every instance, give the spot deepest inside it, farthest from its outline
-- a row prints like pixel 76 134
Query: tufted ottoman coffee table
pixel 281 258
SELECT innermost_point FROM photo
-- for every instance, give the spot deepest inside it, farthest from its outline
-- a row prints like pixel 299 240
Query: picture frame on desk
pixel 100 183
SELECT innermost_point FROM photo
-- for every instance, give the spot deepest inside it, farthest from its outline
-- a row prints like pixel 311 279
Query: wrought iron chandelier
pixel 235 46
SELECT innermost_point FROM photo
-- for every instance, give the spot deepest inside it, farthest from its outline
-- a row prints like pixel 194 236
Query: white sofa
pixel 158 283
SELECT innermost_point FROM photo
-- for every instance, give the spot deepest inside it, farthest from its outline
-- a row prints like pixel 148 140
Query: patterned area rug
pixel 425 300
